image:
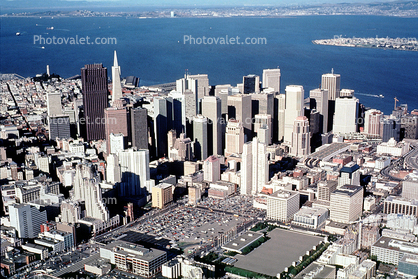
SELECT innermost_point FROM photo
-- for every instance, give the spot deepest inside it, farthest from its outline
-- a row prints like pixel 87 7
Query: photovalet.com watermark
pixel 381 40
pixel 226 40
pixel 82 40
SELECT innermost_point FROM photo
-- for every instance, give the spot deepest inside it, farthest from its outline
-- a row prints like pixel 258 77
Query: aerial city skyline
pixel 104 177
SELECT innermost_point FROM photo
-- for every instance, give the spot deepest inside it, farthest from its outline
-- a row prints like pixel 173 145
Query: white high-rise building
pixel 294 108
pixel 346 204
pixel 246 169
pixel 234 137
pixel 319 101
pixel 212 169
pixel 372 122
pixel 54 104
pixel 189 105
pixel 301 144
pixel 264 120
pixel 112 169
pixel 200 137
pixel 190 84
pixel 26 219
pixel 135 172
pixel 410 187
pixel 263 135
pixel 282 205
pixel 281 99
pixel 346 115
pixel 271 78
pixel 260 166
pixel 116 143
pixel 332 83
pixel 240 108
pixel 43 163
pixel 116 85
pixel 211 108
pixel 87 189
pixel 203 87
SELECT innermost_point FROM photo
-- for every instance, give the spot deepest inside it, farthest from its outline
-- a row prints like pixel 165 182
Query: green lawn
pixel 246 273
pixel 254 245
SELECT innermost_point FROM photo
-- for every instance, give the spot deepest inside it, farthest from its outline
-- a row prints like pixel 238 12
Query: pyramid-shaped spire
pixel 115 60
pixel 116 85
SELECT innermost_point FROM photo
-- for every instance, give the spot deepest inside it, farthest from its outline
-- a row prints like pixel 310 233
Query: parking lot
pixel 198 226
pixel 240 205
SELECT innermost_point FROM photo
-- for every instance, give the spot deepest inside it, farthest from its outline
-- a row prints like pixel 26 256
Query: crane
pixel 396 100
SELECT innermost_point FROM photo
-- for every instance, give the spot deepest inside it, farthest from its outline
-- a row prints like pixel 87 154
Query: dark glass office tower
pixel 139 127
pixel 95 100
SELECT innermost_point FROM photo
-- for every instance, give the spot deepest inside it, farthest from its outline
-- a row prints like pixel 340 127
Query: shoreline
pixel 200 16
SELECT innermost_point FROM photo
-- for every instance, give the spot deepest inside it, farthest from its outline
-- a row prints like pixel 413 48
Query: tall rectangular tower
pixel 234 137
pixel 239 108
pixel 211 108
pixel 54 104
pixel 251 84
pixel 319 101
pixel 281 109
pixel 300 137
pixel 203 87
pixel 116 123
pixel 271 78
pixel 200 137
pixel 247 169
pixel 139 128
pixel 372 121
pixel 59 127
pixel 163 115
pixel 332 83
pixel 346 113
pixel 95 99
pixel 294 108
pixel 135 172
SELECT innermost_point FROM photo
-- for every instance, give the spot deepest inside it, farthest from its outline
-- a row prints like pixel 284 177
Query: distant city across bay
pixel 153 50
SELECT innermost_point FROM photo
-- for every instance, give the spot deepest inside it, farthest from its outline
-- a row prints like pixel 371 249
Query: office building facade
pixel 319 101
pixel 271 78
pixel 116 120
pixel 139 128
pixel 59 127
pixel 294 109
pixel 301 145
pixel 200 137
pixel 346 116
pixel 282 205
pixel 95 100
pixel 211 108
pixel 234 137
pixel 26 219
pixel 162 194
pixel 251 84
pixel 346 204
pixel 240 108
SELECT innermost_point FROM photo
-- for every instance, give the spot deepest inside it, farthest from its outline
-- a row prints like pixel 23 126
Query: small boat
pixel 381 96
pixel 17 33
pixel 50 28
